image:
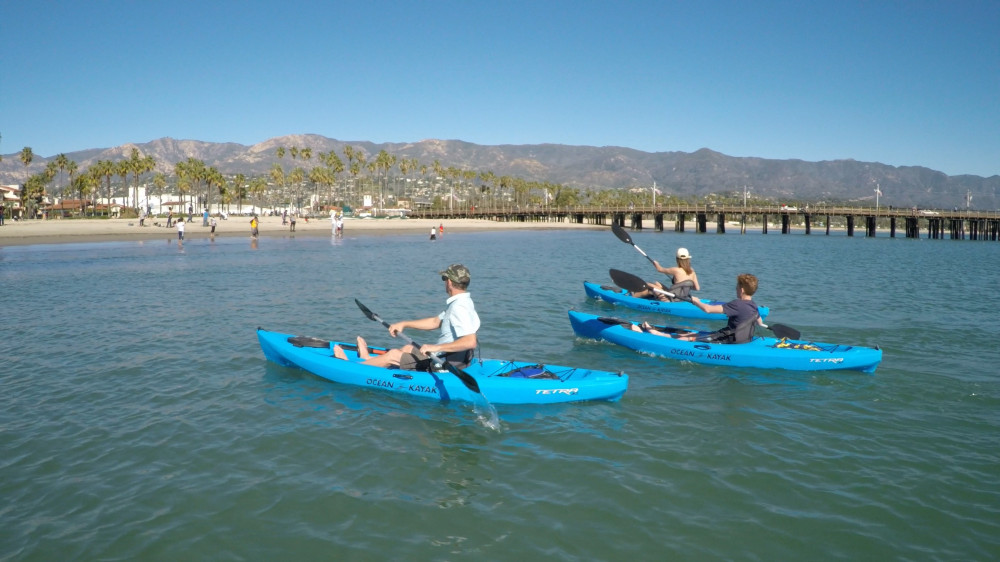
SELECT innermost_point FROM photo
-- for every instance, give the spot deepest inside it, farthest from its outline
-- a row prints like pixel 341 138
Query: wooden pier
pixel 937 224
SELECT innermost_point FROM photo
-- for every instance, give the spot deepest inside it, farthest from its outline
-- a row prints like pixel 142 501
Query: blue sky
pixel 911 83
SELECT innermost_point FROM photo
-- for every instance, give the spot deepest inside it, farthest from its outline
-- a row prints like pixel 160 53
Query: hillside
pixel 698 173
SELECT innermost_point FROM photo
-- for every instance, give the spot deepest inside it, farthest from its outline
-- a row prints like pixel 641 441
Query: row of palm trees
pixel 382 177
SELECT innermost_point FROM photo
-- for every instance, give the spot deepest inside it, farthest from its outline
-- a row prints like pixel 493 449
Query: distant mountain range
pixel 609 167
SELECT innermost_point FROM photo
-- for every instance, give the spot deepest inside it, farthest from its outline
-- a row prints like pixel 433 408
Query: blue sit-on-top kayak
pixel 501 382
pixel 762 352
pixel 685 309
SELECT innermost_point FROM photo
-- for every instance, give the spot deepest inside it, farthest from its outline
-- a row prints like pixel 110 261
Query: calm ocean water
pixel 139 419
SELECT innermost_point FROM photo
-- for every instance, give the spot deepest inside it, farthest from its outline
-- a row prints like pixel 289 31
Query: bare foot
pixel 363 349
pixel 338 352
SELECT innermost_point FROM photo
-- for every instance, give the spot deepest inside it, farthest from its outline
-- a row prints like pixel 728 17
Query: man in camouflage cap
pixel 458 324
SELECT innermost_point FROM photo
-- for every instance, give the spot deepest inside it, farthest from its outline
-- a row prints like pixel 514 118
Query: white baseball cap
pixel 683 253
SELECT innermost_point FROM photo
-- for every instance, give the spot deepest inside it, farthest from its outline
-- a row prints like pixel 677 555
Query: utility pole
pixel 743 228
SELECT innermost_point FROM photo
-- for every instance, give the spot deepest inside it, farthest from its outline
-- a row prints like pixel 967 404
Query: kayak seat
pixel 681 291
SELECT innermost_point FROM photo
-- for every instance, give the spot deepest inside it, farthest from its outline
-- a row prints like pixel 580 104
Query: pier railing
pixel 938 223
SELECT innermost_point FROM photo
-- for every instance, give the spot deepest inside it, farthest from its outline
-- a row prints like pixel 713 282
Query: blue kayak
pixel 685 309
pixel 761 352
pixel 501 382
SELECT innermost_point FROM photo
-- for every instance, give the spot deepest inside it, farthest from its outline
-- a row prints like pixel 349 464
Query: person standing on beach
pixel 3 208
pixel 180 231
pixel 214 224
pixel 170 219
pixel 253 227
pixel 204 217
pixel 291 225
pixel 190 213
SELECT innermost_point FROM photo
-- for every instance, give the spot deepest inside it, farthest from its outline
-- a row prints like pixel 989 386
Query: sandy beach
pixel 60 231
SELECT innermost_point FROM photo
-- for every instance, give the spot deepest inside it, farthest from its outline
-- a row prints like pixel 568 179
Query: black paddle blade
pixel 371 315
pixel 466 378
pixel 627 281
pixel 613 320
pixel 783 331
pixel 621 234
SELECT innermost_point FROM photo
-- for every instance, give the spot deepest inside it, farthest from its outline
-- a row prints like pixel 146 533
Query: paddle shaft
pixel 624 237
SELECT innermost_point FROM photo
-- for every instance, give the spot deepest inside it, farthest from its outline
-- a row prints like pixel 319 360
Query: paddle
pixel 624 237
pixel 634 283
pixel 466 378
pixel 783 331
pixel 628 323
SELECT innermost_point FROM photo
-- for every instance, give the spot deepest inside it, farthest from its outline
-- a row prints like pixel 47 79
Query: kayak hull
pixel 684 309
pixel 761 352
pixel 493 376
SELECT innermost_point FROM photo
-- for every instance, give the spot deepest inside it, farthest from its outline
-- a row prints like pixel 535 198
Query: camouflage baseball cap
pixel 458 273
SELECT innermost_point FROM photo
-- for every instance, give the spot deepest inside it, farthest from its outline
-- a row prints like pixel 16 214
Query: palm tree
pixel 159 186
pixel 349 154
pixel 84 184
pixel 336 166
pixel 383 162
pixel 26 156
pixel 72 169
pixel 239 190
pixel 258 186
pixel 139 165
pixel 103 169
pixel 61 163
pixel 123 169
pixel 278 176
pixel 296 177
pixel 212 177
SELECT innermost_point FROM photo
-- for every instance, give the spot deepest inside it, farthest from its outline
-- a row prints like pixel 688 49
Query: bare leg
pixel 363 349
pixel 388 359
pixel 338 352
pixel 391 358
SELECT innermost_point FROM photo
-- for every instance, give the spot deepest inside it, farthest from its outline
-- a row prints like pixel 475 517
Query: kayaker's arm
pixel 430 323
pixel 463 343
pixel 708 308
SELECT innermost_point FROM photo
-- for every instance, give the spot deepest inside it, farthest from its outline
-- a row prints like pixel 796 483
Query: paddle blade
pixel 627 281
pixel 371 315
pixel 613 320
pixel 466 378
pixel 621 234
pixel 783 331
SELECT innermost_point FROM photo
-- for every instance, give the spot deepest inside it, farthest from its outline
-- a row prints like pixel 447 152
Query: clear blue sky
pixel 902 83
